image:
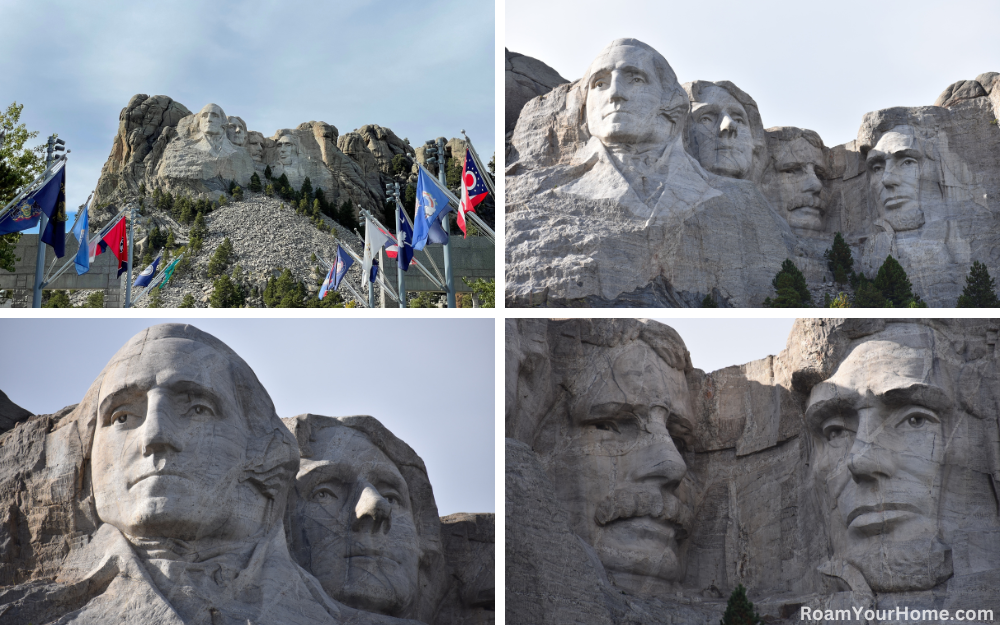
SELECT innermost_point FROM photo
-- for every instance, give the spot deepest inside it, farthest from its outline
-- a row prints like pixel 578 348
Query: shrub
pixel 284 291
pixel 841 301
pixel 220 259
pixel 790 287
pixel 839 260
pixel 485 290
pixel 980 289
pixel 55 299
pixel 222 200
pixel 255 183
pixel 187 302
pixel 95 300
pixel 708 302
pixel 269 190
pixel 155 301
pixel 401 165
pixel 226 294
pixel 238 194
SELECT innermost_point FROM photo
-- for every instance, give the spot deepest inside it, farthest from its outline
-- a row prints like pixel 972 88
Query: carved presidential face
pixel 286 150
pixel 236 131
pixel 721 132
pixel 255 145
pixel 894 166
pixel 624 96
pixel 357 518
pixel 170 446
pixel 617 468
pixel 210 120
pixel 798 166
pixel 878 433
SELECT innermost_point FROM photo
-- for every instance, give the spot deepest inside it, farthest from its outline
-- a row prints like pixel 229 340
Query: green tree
pixel 841 301
pixel 346 215
pixel 708 302
pixel 226 294
pixel 485 290
pixel 839 260
pixel 220 259
pixel 893 284
pixel 790 287
pixel 401 165
pixel 55 299
pixel 866 295
pixel 306 189
pixel 269 190
pixel 94 300
pixel 155 300
pixel 255 183
pixel 196 238
pixel 424 299
pixel 267 172
pixel 739 609
pixel 238 194
pixel 284 291
pixel 18 167
pixel 453 173
pixel 187 302
pixel 980 289
pixel 171 242
pixel 410 198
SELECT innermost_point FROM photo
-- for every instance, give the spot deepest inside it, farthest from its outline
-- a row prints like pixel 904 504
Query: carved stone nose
pixel 372 513
pixel 728 127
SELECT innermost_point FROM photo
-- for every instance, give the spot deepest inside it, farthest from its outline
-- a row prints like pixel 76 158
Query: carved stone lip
pixel 896 201
pixel 809 208
pixel 884 511
pixel 167 473
pixel 649 528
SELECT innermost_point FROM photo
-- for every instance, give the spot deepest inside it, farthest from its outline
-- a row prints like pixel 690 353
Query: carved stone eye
pixel 917 421
pixel 121 419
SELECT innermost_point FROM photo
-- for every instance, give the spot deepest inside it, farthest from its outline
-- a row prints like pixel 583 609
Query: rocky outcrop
pixel 525 78
pixel 10 413
pixel 469 542
pixel 161 144
pixel 611 213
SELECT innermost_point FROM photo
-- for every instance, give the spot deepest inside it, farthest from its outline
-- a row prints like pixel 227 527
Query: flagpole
pixel 479 163
pixel 400 278
pixel 417 263
pixel 131 243
pixel 457 202
pixel 43 221
pixel 449 281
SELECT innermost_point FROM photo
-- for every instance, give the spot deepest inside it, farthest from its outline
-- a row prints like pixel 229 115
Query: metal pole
pixel 131 241
pixel 449 281
pixel 371 294
pixel 43 221
pixel 401 280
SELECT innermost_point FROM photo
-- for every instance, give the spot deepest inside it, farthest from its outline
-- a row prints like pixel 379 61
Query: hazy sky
pixel 438 396
pixel 423 69
pixel 718 343
pixel 815 65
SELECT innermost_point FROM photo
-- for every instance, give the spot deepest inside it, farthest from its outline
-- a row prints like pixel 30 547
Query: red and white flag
pixel 474 190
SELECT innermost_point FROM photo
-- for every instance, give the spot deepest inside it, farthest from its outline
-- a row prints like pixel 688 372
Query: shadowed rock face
pixel 856 468
pixel 161 497
pixel 592 170
pixel 10 413
pixel 525 78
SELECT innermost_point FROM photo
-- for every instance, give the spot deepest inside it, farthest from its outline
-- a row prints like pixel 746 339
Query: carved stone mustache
pixel 627 503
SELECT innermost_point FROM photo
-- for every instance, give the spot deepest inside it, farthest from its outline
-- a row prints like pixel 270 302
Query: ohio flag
pixel 474 190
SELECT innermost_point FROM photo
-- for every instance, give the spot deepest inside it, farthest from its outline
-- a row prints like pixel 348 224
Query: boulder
pixel 525 78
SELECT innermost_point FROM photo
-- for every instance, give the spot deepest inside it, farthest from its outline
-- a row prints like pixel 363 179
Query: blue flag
pixel 147 274
pixel 337 272
pixel 81 230
pixel 26 213
pixel 405 236
pixel 53 203
pixel 432 205
pixel 374 273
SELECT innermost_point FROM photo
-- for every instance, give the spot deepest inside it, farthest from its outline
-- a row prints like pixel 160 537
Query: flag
pixel 474 190
pixel 432 205
pixel 374 273
pixel 147 274
pixel 116 240
pixel 81 230
pixel 406 234
pixel 338 270
pixel 50 198
pixel 169 271
pixel 54 207
pixel 375 238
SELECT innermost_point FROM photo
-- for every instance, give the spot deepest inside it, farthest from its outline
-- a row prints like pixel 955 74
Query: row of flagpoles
pixel 42 203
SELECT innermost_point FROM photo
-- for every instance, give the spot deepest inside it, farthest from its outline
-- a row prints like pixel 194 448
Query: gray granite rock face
pixel 160 143
pixel 595 166
pixel 524 79
pixel 161 497
pixel 858 468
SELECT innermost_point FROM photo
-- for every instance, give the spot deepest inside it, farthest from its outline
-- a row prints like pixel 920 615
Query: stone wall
pixel 102 275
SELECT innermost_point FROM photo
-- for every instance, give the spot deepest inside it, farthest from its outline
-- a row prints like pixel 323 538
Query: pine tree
pixel 187 302
pixel 839 260
pixel 866 295
pixel 198 233
pixel 238 194
pixel 255 183
pixel 980 289
pixel 841 301
pixel 790 286
pixel 306 189
pixel 739 609
pixel 226 294
pixel 267 172
pixel 155 301
pixel 892 283
pixel 220 259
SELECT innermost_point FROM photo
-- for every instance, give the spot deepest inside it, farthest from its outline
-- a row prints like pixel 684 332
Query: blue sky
pixel 717 343
pixel 815 65
pixel 422 69
pixel 438 396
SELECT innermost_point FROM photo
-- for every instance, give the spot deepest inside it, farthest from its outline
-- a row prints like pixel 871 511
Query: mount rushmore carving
pixel 626 188
pixel 162 144
pixel 858 468
pixel 174 494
